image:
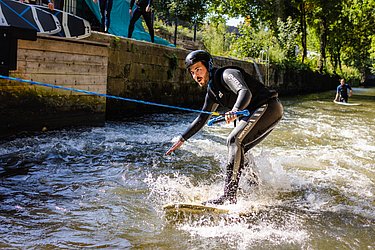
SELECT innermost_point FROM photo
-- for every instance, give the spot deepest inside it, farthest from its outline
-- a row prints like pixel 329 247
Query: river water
pixel 105 187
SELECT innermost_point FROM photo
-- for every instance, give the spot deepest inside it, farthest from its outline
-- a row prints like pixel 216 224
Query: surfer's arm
pixel 350 90
pixel 233 78
pixel 336 97
pixel 201 120
pixel 337 94
pixel 196 125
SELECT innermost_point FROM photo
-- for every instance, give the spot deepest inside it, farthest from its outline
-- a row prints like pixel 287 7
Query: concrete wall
pixel 65 62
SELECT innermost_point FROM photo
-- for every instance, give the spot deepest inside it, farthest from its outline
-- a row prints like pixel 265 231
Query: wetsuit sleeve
pixel 348 86
pixel 150 2
pixel 235 81
pixel 200 121
pixel 131 4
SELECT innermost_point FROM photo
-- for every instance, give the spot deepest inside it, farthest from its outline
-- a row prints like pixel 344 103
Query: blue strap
pixel 222 117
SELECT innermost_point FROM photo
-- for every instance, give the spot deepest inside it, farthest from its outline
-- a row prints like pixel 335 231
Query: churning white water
pixel 105 187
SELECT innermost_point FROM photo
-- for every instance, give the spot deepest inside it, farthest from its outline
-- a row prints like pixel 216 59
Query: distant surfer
pixel 143 8
pixel 234 89
pixel 342 92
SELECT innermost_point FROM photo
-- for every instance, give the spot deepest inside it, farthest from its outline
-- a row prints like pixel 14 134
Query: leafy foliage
pixel 336 36
pixel 288 32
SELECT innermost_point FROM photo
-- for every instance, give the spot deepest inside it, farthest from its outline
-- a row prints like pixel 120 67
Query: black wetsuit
pixel 105 10
pixel 343 91
pixel 234 89
pixel 138 12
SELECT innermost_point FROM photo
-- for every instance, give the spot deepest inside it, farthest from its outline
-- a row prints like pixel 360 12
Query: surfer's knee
pixel 233 141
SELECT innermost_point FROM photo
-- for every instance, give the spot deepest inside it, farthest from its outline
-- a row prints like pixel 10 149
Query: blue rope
pixel 105 95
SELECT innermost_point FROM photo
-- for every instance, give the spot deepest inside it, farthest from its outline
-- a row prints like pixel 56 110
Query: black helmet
pixel 199 56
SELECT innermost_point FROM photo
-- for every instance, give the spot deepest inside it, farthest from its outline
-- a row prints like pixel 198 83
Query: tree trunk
pixel 195 31
pixel 175 31
pixel 323 43
pixel 303 30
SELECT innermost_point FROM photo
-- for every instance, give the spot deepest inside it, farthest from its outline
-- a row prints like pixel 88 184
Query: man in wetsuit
pixel 143 8
pixel 236 90
pixel 342 92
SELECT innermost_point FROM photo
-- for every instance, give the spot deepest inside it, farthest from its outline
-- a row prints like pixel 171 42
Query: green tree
pixel 189 11
pixel 358 43
pixel 215 37
pixel 288 32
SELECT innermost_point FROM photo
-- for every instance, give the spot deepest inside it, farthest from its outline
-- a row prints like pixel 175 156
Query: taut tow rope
pixel 244 112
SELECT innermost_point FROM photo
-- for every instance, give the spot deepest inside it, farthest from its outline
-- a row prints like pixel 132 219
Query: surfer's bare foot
pixel 222 200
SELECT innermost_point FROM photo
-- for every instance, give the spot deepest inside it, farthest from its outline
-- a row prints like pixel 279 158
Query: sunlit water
pixel 105 187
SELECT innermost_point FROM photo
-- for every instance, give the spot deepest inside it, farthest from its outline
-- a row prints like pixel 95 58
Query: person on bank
pixel 143 8
pixel 234 89
pixel 105 10
pixel 342 92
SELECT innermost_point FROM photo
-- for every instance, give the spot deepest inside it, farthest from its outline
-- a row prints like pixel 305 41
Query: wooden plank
pixel 50 56
pixel 69 68
pixel 60 46
pixel 71 80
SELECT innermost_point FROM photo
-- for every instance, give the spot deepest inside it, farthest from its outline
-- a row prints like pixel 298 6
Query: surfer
pixel 342 92
pixel 234 89
pixel 143 8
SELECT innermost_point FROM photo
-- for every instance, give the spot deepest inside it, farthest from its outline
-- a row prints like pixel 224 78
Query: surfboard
pixel 72 26
pixel 347 103
pixel 17 14
pixel 179 212
pixel 193 209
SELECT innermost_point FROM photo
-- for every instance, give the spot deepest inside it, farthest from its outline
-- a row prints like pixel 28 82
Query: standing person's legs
pixel 103 4
pixel 147 16
pixel 136 15
pixel 108 13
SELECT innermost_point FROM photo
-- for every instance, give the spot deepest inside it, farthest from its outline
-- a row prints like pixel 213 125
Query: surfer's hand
pixel 230 116
pixel 175 146
pixel 130 12
pixel 95 1
pixel 148 8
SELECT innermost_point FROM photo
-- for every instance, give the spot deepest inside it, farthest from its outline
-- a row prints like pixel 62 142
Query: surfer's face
pixel 342 81
pixel 199 73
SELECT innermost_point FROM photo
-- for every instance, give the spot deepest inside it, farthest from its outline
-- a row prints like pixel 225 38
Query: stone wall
pixel 148 72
